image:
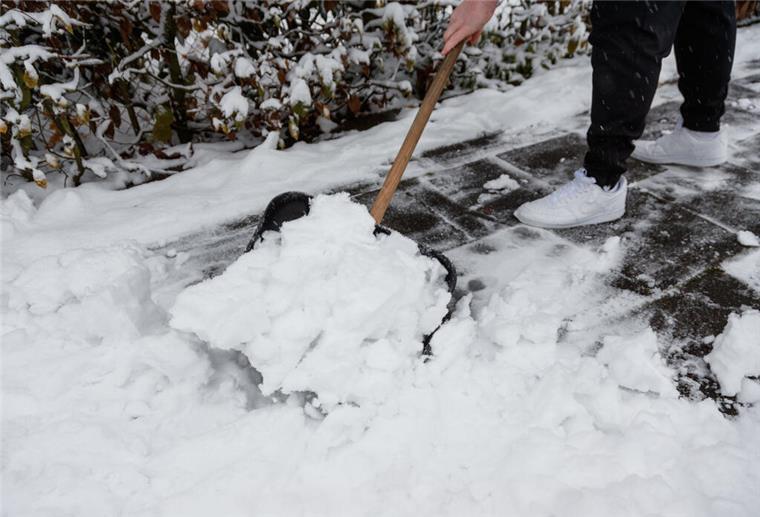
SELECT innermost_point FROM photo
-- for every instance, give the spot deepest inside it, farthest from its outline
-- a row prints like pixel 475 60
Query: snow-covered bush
pixel 125 88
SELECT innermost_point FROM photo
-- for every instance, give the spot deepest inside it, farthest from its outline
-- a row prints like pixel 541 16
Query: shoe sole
pixel 685 161
pixel 595 219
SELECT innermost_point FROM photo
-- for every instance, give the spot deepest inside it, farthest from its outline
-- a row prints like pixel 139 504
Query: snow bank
pixel 107 411
pixel 92 381
pixel 92 294
pixel 16 211
pixel 325 306
pixel 736 352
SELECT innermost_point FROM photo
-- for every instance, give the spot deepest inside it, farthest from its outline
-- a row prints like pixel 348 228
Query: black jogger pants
pixel 629 41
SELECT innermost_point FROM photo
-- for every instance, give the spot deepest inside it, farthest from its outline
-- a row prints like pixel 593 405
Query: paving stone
pixel 690 317
pixel 554 161
pixel 464 184
pixel 640 207
pixel 723 291
pixel 358 188
pixel 682 182
pixel 714 193
pixel 244 223
pixel 727 207
pixel 463 149
pixel 665 116
pixel 670 246
pixel 473 223
pixel 660 119
pixel 700 308
pixel 502 206
pixel 748 154
pixel 745 86
pixel 429 217
pixel 736 117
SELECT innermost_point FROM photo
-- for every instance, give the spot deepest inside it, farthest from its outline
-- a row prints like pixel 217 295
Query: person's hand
pixel 467 21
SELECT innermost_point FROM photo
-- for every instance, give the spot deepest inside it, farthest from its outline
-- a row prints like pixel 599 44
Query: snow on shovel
pixel 293 205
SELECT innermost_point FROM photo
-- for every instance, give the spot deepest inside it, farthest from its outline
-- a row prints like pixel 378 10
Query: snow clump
pixel 736 352
pixel 503 182
pixel 747 238
pixel 324 306
pixel 299 92
pixel 234 103
pixel 745 267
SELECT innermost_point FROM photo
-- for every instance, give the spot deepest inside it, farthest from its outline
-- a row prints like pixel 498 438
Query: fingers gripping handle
pixel 393 178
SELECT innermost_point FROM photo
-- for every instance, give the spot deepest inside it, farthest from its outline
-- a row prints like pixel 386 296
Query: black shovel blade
pixel 451 273
pixel 283 208
pixel 451 283
pixel 293 205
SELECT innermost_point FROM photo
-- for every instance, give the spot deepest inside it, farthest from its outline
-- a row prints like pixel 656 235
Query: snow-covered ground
pixel 109 408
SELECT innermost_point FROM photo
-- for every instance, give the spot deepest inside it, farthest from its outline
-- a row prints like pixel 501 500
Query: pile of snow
pixel 84 296
pixel 324 306
pixel 93 382
pixel 736 355
pixel 107 411
pixel 540 398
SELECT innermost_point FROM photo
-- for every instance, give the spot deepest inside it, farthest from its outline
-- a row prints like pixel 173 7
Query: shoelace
pixel 581 184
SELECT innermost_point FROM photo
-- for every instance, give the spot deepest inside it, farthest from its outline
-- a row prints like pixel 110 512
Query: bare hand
pixel 467 21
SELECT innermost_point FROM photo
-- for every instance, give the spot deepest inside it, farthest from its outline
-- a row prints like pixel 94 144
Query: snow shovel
pixel 292 205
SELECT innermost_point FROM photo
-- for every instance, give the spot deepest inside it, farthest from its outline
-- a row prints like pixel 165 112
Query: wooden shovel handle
pixel 393 178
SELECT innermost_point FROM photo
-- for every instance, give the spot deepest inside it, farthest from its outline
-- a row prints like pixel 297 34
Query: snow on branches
pixel 122 88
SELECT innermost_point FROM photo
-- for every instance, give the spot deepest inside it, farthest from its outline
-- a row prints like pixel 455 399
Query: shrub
pixel 127 88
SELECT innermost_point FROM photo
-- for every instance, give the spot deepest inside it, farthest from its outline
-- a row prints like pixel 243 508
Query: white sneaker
pixel 576 203
pixel 684 147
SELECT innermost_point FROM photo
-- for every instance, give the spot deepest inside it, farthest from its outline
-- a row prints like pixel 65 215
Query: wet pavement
pixel 680 224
